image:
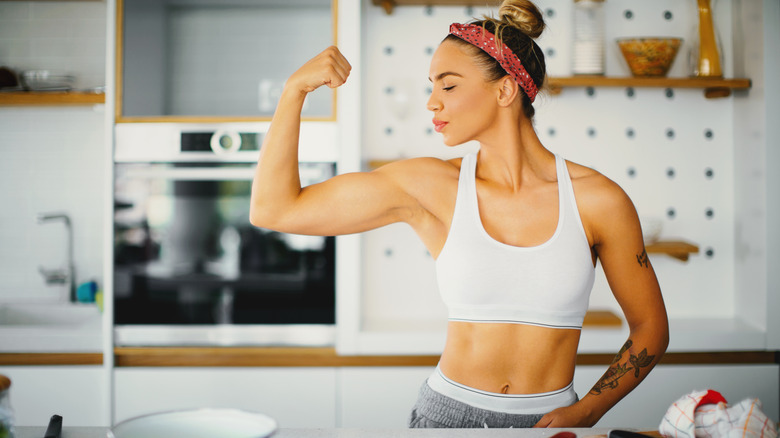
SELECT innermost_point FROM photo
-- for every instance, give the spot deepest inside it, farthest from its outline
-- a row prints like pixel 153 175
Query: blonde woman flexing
pixel 515 229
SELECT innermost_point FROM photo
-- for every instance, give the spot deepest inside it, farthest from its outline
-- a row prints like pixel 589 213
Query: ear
pixel 508 91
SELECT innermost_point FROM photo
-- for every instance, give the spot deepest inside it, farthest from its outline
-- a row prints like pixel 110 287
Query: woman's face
pixel 464 104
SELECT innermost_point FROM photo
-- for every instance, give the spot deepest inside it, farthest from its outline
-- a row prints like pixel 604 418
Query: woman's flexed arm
pixel 341 205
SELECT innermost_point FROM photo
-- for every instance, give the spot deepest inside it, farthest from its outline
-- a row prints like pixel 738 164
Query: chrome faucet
pixel 61 276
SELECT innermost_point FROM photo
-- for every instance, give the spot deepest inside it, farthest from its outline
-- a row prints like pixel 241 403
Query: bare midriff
pixel 509 358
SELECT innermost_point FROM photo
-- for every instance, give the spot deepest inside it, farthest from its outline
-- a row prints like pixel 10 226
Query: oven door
pixel 189 268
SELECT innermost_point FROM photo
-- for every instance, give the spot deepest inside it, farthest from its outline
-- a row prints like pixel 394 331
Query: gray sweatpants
pixel 434 410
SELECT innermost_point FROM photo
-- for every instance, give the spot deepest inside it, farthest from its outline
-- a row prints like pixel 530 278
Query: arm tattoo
pixel 642 259
pixel 617 370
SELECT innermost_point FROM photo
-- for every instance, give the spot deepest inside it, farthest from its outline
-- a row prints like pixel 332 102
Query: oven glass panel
pixel 185 252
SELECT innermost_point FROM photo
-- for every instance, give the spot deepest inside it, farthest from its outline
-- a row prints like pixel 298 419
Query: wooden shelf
pixel 51 98
pixel 713 87
pixel 674 248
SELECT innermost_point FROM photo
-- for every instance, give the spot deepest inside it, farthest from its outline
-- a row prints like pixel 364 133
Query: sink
pixel 41 328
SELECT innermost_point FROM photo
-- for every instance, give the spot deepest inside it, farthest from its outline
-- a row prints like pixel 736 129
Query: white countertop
pixel 100 432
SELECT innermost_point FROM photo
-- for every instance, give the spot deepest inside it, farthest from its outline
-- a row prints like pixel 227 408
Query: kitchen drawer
pixel 77 393
pixel 296 397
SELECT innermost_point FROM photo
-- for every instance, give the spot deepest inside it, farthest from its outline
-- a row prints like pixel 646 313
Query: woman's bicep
pixel 345 204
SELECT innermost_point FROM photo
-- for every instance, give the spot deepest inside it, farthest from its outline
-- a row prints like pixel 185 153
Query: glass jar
pixel 6 413
pixel 588 47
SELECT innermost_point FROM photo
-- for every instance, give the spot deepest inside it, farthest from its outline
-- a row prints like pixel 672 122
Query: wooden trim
pixel 210 119
pixel 51 98
pixel 327 357
pixel 660 82
pixel 23 359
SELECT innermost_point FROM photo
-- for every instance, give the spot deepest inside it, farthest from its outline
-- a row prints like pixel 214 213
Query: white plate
pixel 199 423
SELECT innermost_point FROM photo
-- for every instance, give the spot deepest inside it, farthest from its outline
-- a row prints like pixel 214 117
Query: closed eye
pixel 448 88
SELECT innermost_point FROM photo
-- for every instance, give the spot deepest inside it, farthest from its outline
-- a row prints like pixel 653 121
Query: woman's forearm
pixel 640 353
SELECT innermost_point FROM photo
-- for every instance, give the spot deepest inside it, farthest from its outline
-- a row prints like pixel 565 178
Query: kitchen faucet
pixel 61 276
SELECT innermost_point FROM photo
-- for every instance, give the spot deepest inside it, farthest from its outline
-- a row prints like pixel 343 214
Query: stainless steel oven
pixel 189 268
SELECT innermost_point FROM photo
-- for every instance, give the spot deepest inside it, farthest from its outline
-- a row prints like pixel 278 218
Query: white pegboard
pixel 670 149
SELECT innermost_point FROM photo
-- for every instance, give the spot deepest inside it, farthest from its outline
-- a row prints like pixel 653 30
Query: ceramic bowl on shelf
pixel 45 80
pixel 649 56
pixel 196 423
pixel 651 229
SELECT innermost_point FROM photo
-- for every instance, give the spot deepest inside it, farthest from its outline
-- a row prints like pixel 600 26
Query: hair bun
pixel 523 15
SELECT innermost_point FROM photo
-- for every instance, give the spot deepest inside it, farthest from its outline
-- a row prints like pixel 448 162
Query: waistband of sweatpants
pixel 508 403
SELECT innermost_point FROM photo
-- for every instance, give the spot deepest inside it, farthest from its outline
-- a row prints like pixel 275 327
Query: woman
pixel 515 230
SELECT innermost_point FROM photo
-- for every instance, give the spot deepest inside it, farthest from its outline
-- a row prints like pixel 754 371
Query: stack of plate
pixel 588 38
pixel 45 80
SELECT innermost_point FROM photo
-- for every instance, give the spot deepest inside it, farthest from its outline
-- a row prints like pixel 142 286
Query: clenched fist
pixel 329 68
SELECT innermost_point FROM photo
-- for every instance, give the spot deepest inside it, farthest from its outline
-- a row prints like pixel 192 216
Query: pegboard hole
pixel 590 91
pixel 388 131
pixel 429 50
pixel 668 16
pixel 429 131
pixel 388 50
pixel 630 133
pixel 708 134
pixel 551 132
pixel 550 52
pixel 550 12
pixel 388 252
pixel 671 213
pixel 670 173
pixel 429 10
pixel 469 11
pixel 709 252
pixel 670 134
pixel 709 213
pixel 592 132
pixel 428 90
pixel 630 92
pixel 669 93
pixel 629 14
pixel 709 173
pixel 389 90
pixel 631 172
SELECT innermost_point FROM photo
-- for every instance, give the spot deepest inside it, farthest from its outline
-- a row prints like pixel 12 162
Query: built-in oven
pixel 189 268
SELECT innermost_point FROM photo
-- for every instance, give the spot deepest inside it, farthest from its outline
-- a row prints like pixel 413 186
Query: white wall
pixel 51 159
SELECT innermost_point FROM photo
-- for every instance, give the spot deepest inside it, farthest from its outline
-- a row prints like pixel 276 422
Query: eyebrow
pixel 446 73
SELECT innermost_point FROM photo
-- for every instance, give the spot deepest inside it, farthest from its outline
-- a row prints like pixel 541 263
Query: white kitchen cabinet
pixel 378 397
pixel 77 393
pixel 295 397
pixel 382 397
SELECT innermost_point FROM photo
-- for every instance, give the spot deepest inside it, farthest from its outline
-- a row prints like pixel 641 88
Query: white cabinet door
pixel 646 405
pixel 379 397
pixel 294 397
pixel 77 393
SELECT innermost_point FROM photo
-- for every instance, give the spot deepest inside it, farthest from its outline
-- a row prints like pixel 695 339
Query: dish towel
pixel 705 414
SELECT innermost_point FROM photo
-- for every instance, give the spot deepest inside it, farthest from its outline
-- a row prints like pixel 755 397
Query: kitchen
pixel 699 166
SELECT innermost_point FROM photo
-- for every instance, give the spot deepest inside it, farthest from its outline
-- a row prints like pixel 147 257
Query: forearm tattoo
pixel 617 369
pixel 642 258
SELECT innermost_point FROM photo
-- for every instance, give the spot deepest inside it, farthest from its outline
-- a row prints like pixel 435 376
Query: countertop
pixel 100 432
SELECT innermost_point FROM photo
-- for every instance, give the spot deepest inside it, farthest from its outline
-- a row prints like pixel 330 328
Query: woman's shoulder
pixel 595 190
pixel 422 168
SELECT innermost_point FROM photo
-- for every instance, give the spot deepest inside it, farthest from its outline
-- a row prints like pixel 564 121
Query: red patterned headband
pixel 480 37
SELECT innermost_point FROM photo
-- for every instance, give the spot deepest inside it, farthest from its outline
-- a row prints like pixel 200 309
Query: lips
pixel 438 125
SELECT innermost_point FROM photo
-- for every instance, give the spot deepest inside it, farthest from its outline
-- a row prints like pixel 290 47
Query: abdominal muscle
pixel 509 358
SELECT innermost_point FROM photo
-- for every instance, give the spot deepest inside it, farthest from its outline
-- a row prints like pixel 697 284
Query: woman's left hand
pixel 568 416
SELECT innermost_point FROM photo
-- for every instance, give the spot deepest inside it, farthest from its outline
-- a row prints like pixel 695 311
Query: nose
pixel 433 102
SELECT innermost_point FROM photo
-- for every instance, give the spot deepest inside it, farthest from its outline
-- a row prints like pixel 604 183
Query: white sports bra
pixel 483 280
